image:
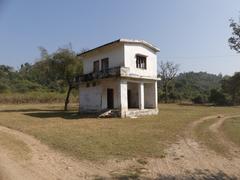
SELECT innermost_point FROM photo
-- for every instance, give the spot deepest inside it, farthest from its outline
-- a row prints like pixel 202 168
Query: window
pixel 95 66
pixel 141 61
pixel 87 85
pixel 105 64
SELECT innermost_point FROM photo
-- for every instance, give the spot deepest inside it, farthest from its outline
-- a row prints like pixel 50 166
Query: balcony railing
pixel 107 73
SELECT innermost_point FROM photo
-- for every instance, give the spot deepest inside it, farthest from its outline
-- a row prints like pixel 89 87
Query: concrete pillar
pixel 141 95
pixel 156 95
pixel 123 98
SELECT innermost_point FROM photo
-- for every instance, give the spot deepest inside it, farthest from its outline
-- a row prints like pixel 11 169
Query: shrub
pixel 200 99
pixel 218 98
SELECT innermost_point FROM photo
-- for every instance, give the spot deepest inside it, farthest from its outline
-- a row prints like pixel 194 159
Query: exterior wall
pixel 114 53
pixel 113 84
pixel 94 98
pixel 149 95
pixel 90 98
pixel 130 51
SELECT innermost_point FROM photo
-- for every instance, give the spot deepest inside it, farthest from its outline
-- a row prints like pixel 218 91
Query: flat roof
pixel 123 41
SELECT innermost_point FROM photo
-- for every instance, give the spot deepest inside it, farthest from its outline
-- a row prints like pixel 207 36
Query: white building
pixel 120 76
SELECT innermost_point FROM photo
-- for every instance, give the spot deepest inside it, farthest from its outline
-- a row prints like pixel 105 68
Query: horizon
pixel 196 40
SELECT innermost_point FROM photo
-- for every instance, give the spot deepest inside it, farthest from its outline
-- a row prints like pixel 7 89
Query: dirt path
pixel 189 159
pixel 184 159
pixel 44 163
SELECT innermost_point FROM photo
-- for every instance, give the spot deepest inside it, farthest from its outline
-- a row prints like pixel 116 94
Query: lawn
pixel 97 139
pixel 231 129
pixel 209 138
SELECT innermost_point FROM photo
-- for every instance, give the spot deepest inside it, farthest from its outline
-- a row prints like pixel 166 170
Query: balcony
pixel 107 73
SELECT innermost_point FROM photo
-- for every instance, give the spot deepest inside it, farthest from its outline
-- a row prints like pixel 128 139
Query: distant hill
pixel 191 84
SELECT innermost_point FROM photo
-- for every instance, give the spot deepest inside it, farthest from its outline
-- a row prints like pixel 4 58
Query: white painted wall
pixel 112 84
pixel 90 97
pixel 95 97
pixel 149 95
pixel 130 51
pixel 114 53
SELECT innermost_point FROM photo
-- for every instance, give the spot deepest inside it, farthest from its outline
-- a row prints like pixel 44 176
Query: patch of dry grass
pixel 16 148
pixel 231 129
pixel 98 139
pixel 209 138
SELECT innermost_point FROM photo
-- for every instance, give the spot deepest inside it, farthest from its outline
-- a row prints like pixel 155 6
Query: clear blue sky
pixel 192 33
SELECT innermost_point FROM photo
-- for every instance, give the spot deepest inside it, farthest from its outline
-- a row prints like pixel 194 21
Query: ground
pixel 42 142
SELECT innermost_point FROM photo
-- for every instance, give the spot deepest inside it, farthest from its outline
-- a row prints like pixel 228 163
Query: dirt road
pixel 185 159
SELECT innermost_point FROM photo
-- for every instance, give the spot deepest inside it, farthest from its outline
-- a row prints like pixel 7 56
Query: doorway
pixel 110 99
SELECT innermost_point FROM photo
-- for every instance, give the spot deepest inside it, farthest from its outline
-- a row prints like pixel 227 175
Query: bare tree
pixel 167 72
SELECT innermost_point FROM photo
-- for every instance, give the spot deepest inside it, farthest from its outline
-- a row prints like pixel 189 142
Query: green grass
pixel 209 138
pixel 98 139
pixel 231 129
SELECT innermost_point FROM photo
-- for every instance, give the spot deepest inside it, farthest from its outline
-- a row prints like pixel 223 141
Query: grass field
pixel 209 138
pixel 231 129
pixel 98 139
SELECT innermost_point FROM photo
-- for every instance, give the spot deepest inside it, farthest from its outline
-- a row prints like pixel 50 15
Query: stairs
pixel 109 113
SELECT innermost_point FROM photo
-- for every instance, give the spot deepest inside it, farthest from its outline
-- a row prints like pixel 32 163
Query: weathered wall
pixel 130 51
pixel 94 98
pixel 114 53
pixel 113 84
pixel 149 95
pixel 90 98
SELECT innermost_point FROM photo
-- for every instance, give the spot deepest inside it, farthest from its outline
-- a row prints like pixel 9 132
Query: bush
pixel 218 98
pixel 200 99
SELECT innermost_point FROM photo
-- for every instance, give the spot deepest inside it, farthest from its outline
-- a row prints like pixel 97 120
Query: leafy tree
pixel 234 40
pixel 218 97
pixel 231 86
pixel 167 73
pixel 67 66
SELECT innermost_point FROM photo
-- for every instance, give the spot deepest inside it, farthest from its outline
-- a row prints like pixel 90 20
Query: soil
pixel 186 159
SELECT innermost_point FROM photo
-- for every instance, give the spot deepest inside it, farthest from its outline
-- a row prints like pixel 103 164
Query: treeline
pixel 202 87
pixel 47 80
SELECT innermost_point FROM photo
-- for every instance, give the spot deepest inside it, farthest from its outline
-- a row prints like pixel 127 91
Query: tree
pixel 67 66
pixel 217 97
pixel 234 41
pixel 231 86
pixel 167 73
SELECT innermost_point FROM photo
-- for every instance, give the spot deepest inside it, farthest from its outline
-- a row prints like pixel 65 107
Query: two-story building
pixel 120 76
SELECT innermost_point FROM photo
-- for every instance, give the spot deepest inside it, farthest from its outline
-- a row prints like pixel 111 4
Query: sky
pixel 191 33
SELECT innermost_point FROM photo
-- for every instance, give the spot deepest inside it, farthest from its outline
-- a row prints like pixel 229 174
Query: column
pixel 141 95
pixel 156 95
pixel 123 98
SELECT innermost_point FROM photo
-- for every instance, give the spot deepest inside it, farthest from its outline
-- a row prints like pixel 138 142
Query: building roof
pixel 131 41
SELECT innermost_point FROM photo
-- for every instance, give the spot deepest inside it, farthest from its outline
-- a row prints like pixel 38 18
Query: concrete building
pixel 119 77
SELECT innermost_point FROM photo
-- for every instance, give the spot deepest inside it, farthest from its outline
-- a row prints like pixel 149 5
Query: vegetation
pixel 209 138
pixel 167 73
pixel 98 139
pixel 52 75
pixel 231 129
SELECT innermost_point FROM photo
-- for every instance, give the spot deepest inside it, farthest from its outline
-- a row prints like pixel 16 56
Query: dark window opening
pixel 105 64
pixel 95 66
pixel 87 85
pixel 141 62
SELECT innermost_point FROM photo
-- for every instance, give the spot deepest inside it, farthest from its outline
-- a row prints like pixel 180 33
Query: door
pixel 110 100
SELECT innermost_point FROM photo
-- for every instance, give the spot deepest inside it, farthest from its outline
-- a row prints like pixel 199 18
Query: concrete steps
pixel 109 113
